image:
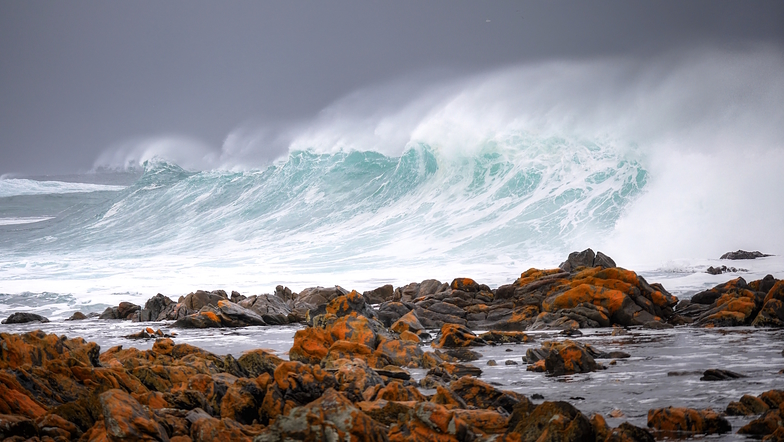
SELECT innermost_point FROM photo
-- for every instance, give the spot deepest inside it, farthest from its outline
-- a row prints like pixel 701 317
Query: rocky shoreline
pixel 348 375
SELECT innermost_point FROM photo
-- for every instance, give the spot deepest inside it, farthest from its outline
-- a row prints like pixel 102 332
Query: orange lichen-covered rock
pixel 396 391
pixel 294 384
pixel 301 377
pixel 330 417
pixel 243 400
pixel 354 328
pixel 341 350
pixel 684 421
pixel 550 421
pixel 52 425
pixel 408 322
pixel 764 426
pixel 257 362
pixel 207 428
pixel 386 412
pixel 311 345
pixel 401 352
pixel 505 337
pixel 627 432
pixel 563 357
pixel 464 284
pixel 430 422
pixel 410 337
pixel 615 301
pixel 479 394
pixel 14 399
pixel 37 349
pixel 354 377
pixel 483 422
pixel 772 312
pixel 127 419
pixel 447 398
pixel 456 335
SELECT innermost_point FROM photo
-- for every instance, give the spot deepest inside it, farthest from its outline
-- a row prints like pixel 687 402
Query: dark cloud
pixel 78 77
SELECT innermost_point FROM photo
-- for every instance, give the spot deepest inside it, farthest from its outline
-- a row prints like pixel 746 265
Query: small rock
pixel 77 316
pixel 715 374
pixel 492 363
pixel 510 362
pixel 537 396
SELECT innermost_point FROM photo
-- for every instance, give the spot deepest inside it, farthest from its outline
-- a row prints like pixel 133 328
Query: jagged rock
pixel 390 312
pixel 313 297
pixel 125 311
pixel 236 297
pixel 742 254
pixel 272 309
pixel 380 294
pixel 586 258
pixel 155 308
pixel 22 318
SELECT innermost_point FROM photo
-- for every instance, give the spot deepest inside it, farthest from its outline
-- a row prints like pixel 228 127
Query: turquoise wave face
pixel 519 192
pixel 346 212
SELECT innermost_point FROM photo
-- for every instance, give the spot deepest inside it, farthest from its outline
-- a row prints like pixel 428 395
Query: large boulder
pixel 22 318
pixel 272 309
pixel 680 422
pixel 742 254
pixel 157 308
pixel 226 314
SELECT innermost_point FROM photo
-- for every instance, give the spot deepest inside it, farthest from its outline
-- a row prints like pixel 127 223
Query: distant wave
pixel 20 186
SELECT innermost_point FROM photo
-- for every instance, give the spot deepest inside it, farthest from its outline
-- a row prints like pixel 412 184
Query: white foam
pixel 20 186
pixel 26 220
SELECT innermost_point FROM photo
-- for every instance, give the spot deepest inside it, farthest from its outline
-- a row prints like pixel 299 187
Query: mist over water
pixel 654 162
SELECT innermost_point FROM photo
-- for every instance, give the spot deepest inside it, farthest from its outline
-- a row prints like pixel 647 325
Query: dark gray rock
pixel 23 318
pixel 586 258
pixel 716 374
pixel 200 298
pixel 154 308
pixel 380 294
pixel 272 309
pixel 742 254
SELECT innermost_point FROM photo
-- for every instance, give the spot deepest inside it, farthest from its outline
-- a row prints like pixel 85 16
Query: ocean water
pixel 662 164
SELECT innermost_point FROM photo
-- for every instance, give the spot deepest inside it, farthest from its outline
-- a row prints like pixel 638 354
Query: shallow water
pixel 632 385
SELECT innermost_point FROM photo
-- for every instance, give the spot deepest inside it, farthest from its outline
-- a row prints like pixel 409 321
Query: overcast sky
pixel 77 77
